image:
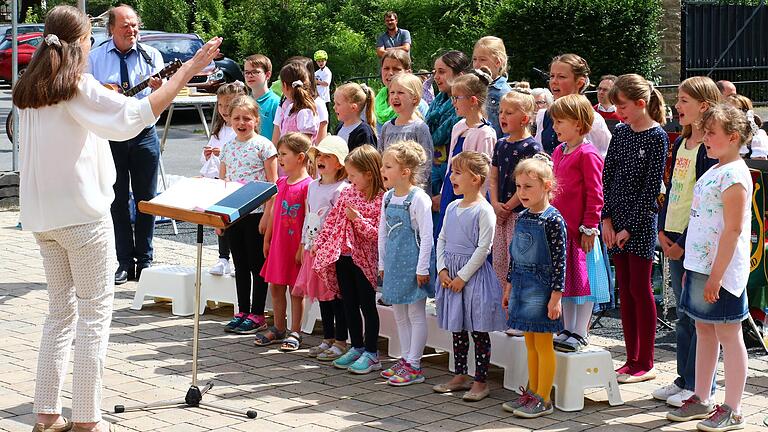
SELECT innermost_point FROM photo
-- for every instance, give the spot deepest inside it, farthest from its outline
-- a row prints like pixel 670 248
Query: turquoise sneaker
pixel 345 361
pixel 366 363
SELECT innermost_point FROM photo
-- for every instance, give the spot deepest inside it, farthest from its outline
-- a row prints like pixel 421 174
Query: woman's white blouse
pixel 67 171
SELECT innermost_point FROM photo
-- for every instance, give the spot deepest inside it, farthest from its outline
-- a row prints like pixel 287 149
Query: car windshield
pixel 6 44
pixel 182 49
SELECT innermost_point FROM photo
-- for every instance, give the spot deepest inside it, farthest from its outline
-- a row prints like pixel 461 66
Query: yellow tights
pixel 541 363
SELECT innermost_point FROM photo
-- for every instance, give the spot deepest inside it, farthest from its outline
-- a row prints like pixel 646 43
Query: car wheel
pixel 9 126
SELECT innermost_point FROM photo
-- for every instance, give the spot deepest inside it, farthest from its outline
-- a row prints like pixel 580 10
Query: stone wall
pixel 9 190
pixel 670 42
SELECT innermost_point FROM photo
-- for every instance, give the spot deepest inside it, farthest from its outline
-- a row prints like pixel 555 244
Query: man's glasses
pixel 253 72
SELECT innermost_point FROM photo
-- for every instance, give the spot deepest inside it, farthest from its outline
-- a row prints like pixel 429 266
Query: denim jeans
pixel 685 329
pixel 136 162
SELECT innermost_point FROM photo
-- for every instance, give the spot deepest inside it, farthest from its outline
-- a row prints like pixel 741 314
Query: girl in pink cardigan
pixel 472 133
pixel 578 170
pixel 346 256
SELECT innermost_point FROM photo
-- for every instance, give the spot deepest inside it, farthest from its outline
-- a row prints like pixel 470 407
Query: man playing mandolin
pixel 123 62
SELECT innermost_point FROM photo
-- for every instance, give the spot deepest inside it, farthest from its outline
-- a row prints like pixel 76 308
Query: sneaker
pixel 679 399
pixel 234 323
pixel 407 376
pixel 693 409
pixel 534 407
pixel 394 370
pixel 511 406
pixel 220 268
pixel 666 392
pixel 252 324
pixel 366 363
pixel 347 359
pixel 314 351
pixel 723 419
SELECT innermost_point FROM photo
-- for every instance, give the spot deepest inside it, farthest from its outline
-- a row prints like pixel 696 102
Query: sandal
pixel 40 427
pixel 315 351
pixel 292 342
pixel 332 353
pixel 448 388
pixel 272 336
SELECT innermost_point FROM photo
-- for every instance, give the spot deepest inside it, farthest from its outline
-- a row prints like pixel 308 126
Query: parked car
pixel 28 43
pixel 25 28
pixel 183 46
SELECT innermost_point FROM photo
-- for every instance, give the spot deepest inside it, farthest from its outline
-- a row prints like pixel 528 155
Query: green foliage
pixel 615 36
pixel 32 16
pixel 166 15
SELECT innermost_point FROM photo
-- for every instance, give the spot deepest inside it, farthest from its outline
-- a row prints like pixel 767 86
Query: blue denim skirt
pixel 727 309
pixel 528 303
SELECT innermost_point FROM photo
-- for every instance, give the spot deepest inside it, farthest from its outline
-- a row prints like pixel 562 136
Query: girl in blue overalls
pixel 405 230
pixel 535 281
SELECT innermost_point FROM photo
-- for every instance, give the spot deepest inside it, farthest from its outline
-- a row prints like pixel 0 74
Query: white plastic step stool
pixel 218 289
pixel 510 353
pixel 311 311
pixel 575 372
pixel 174 282
pixel 388 329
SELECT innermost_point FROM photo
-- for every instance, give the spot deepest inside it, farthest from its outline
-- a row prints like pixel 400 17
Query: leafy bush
pixel 614 36
pixel 168 15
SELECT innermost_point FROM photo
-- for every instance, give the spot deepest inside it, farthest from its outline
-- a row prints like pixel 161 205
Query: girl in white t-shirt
pixel 222 133
pixel 717 268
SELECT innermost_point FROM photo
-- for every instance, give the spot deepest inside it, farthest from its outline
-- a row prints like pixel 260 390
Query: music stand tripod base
pixel 194 396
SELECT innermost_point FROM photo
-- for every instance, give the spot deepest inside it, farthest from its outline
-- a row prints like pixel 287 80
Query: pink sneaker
pixel 407 376
pixel 394 370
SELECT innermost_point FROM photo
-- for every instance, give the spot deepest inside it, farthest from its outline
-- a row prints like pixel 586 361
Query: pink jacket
pixel 480 139
pixel 579 177
pixel 360 236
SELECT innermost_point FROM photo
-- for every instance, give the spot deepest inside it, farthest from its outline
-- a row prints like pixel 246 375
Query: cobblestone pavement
pixel 149 359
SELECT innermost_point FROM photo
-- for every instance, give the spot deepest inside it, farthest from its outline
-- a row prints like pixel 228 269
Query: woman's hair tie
pixel 52 39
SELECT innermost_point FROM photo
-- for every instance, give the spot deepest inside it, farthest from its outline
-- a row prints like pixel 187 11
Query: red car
pixel 28 43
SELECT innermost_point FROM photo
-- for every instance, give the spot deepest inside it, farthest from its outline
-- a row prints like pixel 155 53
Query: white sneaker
pixel 666 392
pixel 680 398
pixel 232 270
pixel 220 268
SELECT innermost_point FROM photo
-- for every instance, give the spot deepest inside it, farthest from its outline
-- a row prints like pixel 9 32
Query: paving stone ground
pixel 149 359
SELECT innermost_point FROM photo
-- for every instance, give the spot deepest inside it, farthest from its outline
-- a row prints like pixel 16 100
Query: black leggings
pixel 224 247
pixel 482 353
pixel 334 321
pixel 247 246
pixel 358 295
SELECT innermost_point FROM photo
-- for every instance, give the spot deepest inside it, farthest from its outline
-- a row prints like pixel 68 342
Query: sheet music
pixel 196 193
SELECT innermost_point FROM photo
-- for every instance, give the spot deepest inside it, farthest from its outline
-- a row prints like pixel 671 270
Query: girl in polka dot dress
pixel 631 184
pixel 405 249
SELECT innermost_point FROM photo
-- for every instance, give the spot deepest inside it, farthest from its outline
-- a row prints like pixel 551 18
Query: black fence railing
pixel 727 42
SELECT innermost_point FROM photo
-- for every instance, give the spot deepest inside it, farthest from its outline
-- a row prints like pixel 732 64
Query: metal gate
pixel 727 42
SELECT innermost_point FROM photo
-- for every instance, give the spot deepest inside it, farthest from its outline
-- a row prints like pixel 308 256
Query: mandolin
pixel 167 71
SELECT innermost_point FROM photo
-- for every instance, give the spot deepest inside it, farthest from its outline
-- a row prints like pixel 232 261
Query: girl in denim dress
pixel 536 281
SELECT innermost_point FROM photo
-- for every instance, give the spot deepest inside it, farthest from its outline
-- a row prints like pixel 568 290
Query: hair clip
pixel 52 39
pixel 751 121
pixel 651 86
pixel 297 83
pixel 481 74
pixel 543 157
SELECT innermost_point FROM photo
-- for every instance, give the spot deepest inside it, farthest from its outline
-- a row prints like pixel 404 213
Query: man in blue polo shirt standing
pixel 393 38
pixel 126 63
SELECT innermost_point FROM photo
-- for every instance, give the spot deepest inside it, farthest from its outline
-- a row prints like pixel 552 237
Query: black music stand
pixel 232 201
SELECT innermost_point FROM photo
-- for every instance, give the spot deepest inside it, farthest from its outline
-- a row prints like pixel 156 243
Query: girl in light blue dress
pixel 405 255
pixel 469 296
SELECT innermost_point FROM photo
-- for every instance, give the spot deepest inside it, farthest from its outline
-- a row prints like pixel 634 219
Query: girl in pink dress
pixel 282 240
pixel 323 193
pixel 578 170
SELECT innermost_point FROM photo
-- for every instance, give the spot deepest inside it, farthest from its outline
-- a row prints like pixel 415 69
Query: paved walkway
pixel 150 354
